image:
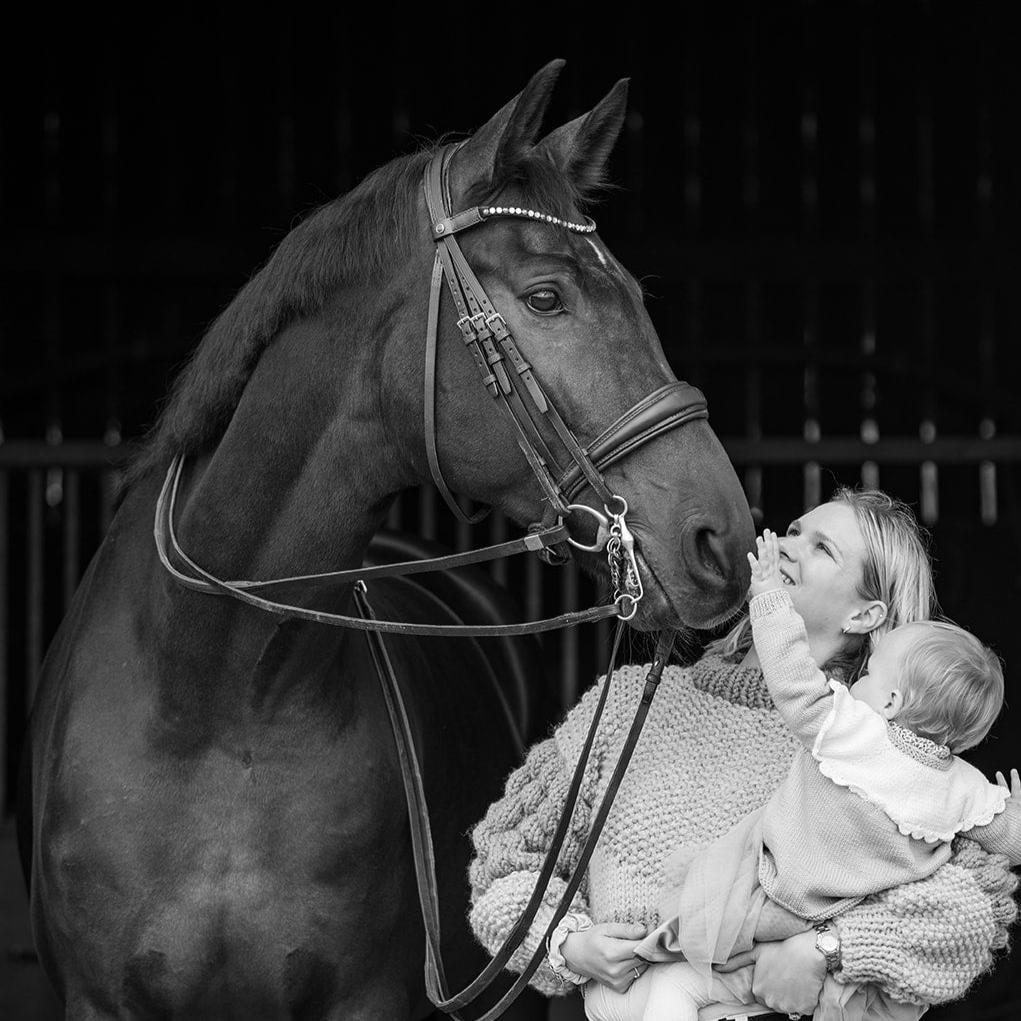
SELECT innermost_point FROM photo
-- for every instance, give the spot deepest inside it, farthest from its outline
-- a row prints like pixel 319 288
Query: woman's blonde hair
pixel 897 571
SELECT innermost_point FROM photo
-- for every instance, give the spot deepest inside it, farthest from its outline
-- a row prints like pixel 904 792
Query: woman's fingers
pixel 1015 783
pixel 740 960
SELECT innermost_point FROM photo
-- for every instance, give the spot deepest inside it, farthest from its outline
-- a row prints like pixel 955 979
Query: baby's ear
pixel 894 704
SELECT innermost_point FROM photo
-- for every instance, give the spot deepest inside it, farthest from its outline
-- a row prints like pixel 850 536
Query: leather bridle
pixel 510 381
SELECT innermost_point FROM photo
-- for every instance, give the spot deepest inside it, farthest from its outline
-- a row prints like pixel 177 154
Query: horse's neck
pixel 298 484
pixel 304 472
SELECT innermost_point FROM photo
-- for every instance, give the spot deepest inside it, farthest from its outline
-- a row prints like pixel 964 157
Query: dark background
pixel 821 199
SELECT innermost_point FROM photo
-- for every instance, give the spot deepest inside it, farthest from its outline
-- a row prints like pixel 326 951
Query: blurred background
pixel 821 199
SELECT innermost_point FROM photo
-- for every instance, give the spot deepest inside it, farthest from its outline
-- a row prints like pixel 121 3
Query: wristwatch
pixel 827 942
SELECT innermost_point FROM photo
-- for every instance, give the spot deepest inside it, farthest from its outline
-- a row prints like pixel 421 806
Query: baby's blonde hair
pixel 951 685
pixel 897 570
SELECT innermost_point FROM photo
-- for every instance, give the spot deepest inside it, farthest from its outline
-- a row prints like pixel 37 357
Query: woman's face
pixel 821 561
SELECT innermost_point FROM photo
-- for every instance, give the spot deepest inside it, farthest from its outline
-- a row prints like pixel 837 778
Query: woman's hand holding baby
pixel 766 565
pixel 606 952
pixel 788 975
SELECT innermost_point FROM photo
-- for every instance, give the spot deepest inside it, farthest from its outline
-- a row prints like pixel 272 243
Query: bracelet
pixel 568 924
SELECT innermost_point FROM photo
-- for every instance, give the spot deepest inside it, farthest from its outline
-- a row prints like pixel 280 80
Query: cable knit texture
pixel 714 748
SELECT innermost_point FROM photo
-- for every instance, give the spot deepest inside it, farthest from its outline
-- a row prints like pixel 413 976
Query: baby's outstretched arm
pixel 799 688
pixel 766 564
pixel 1003 834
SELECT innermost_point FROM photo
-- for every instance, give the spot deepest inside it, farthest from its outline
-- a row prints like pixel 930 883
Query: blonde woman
pixel 714 749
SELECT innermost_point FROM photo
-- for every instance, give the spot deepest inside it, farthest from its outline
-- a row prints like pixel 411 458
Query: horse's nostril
pixel 709 552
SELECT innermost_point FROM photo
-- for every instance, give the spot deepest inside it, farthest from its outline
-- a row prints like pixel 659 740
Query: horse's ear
pixel 581 148
pixel 508 133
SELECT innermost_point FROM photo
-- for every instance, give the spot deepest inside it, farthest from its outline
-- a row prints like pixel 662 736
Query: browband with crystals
pixel 470 217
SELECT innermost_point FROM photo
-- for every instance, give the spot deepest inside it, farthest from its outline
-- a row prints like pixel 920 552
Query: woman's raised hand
pixel 606 952
pixel 788 975
pixel 766 565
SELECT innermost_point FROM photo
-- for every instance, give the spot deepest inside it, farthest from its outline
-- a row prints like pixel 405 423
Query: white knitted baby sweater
pixel 861 809
pixel 713 749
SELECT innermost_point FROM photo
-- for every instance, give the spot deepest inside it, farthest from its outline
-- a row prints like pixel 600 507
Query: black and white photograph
pixel 510 513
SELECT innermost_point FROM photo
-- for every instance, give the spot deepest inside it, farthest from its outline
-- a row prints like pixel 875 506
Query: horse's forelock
pixel 543 185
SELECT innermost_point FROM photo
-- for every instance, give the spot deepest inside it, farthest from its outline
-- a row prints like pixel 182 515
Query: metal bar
pixel 533 589
pixel 753 296
pixel 889 450
pixel 869 392
pixel 72 535
pixel 928 471
pixel 393 515
pixel 789 450
pixel 987 314
pixel 463 536
pixel 66 454
pixel 498 534
pixel 5 787
pixel 107 494
pixel 34 583
pixel 427 511
pixel 810 228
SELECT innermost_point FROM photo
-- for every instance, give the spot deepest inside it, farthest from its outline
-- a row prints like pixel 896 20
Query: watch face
pixel 828 943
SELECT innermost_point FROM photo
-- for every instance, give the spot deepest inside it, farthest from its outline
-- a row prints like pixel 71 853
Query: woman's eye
pixel 545 301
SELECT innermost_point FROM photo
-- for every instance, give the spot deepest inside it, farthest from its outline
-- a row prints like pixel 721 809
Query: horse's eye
pixel 545 302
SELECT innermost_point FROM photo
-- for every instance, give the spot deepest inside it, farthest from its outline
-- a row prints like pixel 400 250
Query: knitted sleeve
pixel 512 840
pixel 926 942
pixel 1003 834
pixel 798 687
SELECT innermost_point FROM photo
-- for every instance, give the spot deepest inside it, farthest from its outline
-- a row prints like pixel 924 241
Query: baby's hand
pixel 1015 784
pixel 766 566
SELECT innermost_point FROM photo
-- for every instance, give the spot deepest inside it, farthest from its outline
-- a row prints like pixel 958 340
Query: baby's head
pixel 937 680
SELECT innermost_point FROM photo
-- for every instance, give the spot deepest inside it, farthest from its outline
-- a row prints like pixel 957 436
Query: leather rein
pixel 509 379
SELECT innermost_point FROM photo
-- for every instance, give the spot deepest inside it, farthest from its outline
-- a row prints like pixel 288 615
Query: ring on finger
pixel 637 973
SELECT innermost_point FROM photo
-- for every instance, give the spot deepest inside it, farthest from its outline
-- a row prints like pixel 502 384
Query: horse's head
pixel 578 317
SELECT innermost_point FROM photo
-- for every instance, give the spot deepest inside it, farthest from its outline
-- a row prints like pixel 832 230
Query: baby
pixel 871 801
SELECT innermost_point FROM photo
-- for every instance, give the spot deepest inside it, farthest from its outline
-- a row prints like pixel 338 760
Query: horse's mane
pixel 353 237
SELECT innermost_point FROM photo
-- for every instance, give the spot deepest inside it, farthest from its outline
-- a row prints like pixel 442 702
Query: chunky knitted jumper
pixel 713 749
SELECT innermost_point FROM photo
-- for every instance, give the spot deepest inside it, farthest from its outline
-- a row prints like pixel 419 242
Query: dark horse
pixel 215 827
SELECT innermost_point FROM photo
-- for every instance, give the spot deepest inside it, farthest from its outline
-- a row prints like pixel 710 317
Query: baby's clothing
pixel 668 992
pixel 866 805
pixel 675 992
